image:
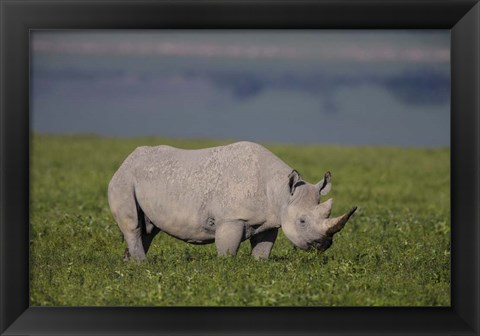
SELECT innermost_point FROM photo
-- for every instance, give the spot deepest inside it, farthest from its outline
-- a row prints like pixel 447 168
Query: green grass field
pixel 395 251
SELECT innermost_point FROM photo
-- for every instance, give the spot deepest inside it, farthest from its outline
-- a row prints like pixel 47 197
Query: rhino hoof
pixel 126 255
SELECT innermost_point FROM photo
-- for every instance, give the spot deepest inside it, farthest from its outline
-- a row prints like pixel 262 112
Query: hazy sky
pixel 325 87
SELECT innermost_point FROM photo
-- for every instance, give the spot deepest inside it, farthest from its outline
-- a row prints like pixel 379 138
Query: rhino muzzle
pixel 321 245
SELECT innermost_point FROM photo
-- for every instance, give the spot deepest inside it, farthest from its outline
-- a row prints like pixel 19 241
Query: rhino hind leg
pixel 133 236
pixel 149 230
pixel 228 237
pixel 125 212
pixel 262 243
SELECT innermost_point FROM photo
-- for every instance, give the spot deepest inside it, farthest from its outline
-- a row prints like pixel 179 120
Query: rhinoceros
pixel 222 195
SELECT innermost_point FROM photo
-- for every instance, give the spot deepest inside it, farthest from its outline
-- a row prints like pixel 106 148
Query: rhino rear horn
pixel 336 224
pixel 325 208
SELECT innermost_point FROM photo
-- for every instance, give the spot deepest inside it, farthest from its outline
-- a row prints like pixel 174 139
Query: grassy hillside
pixel 394 251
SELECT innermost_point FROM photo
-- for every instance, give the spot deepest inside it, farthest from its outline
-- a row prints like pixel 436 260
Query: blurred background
pixel 388 88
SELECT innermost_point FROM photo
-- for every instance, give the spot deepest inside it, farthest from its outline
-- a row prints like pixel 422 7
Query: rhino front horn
pixel 336 224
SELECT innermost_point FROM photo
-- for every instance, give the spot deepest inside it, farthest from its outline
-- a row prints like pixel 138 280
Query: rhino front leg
pixel 262 243
pixel 228 237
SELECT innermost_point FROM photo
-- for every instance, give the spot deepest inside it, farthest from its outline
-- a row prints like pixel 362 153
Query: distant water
pixel 266 100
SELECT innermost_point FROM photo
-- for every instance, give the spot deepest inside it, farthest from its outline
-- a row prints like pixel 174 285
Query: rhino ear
pixel 324 186
pixel 294 180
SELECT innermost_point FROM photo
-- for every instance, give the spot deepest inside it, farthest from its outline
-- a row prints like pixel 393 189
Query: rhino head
pixel 305 221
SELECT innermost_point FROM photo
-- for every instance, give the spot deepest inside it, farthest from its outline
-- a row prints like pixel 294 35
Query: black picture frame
pixel 18 17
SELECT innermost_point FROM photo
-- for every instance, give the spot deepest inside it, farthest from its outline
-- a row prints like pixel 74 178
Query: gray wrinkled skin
pixel 222 195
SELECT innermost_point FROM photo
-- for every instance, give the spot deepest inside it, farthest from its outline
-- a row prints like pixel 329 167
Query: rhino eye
pixel 302 220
